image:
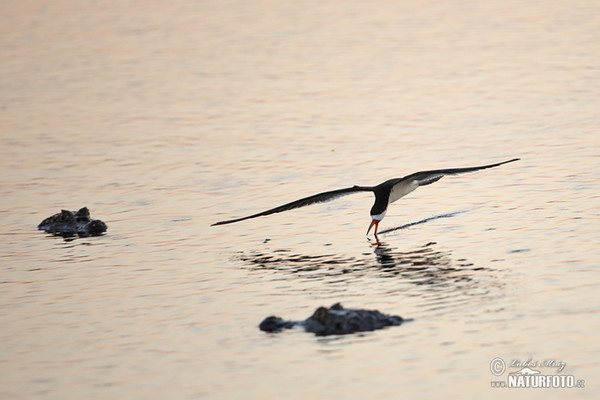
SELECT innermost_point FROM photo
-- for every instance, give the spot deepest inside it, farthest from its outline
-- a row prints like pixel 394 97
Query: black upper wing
pixel 427 177
pixel 317 198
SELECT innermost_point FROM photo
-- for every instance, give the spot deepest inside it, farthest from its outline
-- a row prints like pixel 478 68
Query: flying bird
pixel 385 193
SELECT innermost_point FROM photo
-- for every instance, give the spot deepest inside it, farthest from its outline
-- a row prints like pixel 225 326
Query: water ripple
pixel 427 273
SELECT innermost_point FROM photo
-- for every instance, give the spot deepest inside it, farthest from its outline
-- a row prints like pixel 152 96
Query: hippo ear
pixel 84 211
pixel 320 314
pixel 65 215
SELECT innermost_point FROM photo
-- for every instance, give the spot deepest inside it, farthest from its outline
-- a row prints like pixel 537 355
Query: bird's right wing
pixel 317 198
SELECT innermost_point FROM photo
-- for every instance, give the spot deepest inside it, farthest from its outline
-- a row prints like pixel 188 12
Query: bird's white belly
pixel 402 189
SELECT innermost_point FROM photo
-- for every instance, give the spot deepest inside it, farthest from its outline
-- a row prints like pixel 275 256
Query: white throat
pixel 379 217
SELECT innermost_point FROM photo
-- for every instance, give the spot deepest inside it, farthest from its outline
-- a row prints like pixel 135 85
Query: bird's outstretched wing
pixel 317 198
pixel 427 177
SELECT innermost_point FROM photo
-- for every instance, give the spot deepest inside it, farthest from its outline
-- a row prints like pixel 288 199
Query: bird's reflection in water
pixel 422 265
pixel 447 215
pixel 426 273
pixel 432 276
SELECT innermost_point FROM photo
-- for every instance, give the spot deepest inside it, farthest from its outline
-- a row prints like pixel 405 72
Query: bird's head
pixel 376 218
pixel 374 223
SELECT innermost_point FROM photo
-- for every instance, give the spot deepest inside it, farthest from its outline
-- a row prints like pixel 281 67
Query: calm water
pixel 163 119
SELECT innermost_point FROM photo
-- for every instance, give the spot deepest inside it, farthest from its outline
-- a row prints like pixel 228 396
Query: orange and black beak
pixel 374 222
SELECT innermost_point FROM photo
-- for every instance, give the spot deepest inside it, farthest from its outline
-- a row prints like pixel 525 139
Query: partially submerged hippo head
pixel 335 320
pixel 69 223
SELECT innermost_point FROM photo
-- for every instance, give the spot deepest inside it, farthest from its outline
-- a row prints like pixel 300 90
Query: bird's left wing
pixel 427 177
pixel 317 198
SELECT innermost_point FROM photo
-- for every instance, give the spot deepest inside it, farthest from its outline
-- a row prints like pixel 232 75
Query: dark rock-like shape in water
pixel 335 320
pixel 70 223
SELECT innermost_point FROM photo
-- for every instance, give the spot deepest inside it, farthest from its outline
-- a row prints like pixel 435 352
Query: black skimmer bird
pixel 385 193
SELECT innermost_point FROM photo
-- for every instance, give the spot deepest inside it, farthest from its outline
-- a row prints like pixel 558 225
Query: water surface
pixel 164 118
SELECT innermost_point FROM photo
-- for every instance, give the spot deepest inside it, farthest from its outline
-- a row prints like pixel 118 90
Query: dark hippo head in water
pixel 70 223
pixel 335 320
